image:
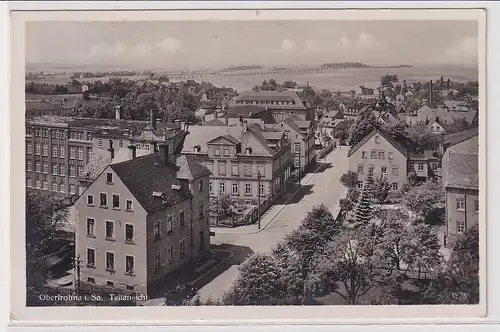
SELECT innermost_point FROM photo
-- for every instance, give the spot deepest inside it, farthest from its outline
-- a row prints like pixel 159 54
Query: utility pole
pixel 77 267
pixel 259 176
pixel 298 173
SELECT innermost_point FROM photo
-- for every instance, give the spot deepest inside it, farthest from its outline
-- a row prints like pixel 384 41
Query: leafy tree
pixel 381 189
pixel 423 249
pixel 365 123
pixel 289 84
pixel 458 281
pixel 422 199
pixel 321 221
pixel 395 241
pixel 420 139
pixel 458 124
pixel 349 180
pixel 388 80
pixel 347 204
pixel 220 205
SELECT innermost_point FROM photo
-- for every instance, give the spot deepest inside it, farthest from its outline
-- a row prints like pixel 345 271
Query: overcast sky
pixel 143 45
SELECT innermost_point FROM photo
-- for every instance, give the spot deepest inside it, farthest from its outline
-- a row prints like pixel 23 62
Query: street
pixel 321 185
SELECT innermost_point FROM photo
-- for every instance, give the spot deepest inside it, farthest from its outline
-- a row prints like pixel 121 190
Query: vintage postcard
pixel 273 165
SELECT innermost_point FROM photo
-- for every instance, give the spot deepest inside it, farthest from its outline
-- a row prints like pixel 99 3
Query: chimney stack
pixel 152 118
pixel 245 125
pixel 226 120
pixel 111 150
pixel 118 112
pixel 430 93
pixel 241 120
pixel 133 151
pixel 164 153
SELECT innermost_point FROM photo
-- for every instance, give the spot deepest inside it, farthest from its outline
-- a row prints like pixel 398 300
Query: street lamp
pixel 259 176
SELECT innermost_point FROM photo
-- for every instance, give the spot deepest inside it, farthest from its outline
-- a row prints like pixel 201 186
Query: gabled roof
pixel 463 171
pixel 214 122
pixel 145 175
pixel 272 135
pixel 190 168
pixel 455 138
pixel 385 135
pixel 224 139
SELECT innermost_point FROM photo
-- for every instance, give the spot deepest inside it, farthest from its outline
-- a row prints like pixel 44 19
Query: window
pixel 110 283
pixel 390 155
pixel 146 146
pixel 29 165
pixel 420 167
pixel 90 226
pixel 99 142
pixel 201 210
pixel 29 148
pixel 62 151
pixel 261 189
pixel 116 201
pixel 377 139
pixel 394 186
pixel 90 257
pixel 248 189
pixel 226 152
pixel 476 206
pixel 364 155
pixel 38 184
pixel 45 185
pixel 460 204
pixel 156 230
pixel 360 184
pixel 222 187
pixel 234 169
pixel 395 170
pixel 110 230
pixel 235 190
pixel 110 261
pixel 217 151
pixel 29 182
pixel 460 226
pixel 248 170
pixel 434 166
pixel 62 170
pixel 80 153
pixel 109 177
pixel 45 149
pixel 89 153
pixel 373 154
pixel 120 143
pixel 201 185
pixel 182 248
pixel 103 200
pixel 296 161
pixel 370 169
pixel 381 155
pixel 80 171
pixel 360 168
pixel 90 280
pixel 129 264
pixel 62 187
pixel 210 187
pixel 383 169
pixel 54 186
pixel 261 169
pixel 72 171
pixel 72 152
pixel 38 166
pixel 157 261
pixel 182 219
pixel 90 200
pixel 128 205
pixel 170 254
pixel 296 147
pixel 170 226
pixel 222 168
pixel 72 189
pixel 55 169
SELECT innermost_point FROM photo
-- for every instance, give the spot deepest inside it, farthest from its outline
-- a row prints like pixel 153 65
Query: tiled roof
pixel 387 136
pixel 245 111
pixel 461 136
pixel 463 171
pixel 190 168
pixel 272 135
pixel 145 175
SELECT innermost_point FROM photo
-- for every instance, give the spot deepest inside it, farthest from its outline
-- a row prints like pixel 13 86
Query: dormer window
pixel 197 148
pixel 248 151
pixel 377 139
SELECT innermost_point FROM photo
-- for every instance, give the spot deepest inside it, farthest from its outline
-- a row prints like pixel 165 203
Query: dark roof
pixel 427 155
pixel 384 134
pixel 463 171
pixel 190 168
pixel 245 111
pixel 459 137
pixel 214 122
pixel 145 175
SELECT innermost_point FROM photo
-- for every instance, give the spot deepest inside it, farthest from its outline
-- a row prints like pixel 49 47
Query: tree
pixel 363 212
pixel 388 80
pixel 321 221
pixel 423 249
pixel 289 84
pixel 396 238
pixel 347 204
pixel 423 199
pixel 458 125
pixel 458 281
pixel 420 138
pixel 349 180
pixel 365 123
pixel 381 189
pixel 220 205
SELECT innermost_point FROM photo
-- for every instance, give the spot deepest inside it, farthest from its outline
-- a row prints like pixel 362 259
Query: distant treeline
pixel 345 64
pixel 237 68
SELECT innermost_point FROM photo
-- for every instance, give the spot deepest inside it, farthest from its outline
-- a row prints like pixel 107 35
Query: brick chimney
pixel 430 92
pixel 118 112
pixel 133 151
pixel 111 150
pixel 152 118
pixel 164 153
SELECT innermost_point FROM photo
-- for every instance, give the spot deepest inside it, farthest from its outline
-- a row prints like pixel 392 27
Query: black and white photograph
pixel 264 162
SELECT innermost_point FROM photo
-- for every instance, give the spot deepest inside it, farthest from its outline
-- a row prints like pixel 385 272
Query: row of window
pixel 57 169
pixel 55 187
pixel 110 230
pixel 115 201
pixel 383 169
pixel 247 169
pixel 461 205
pixel 235 188
pixel 264 102
pixel 58 151
pixel 110 262
pixel 394 186
pixel 377 154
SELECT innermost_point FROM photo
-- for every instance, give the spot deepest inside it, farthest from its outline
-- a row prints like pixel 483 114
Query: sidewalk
pixel 278 206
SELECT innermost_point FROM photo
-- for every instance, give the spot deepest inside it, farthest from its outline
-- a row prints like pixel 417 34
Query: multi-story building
pixel 380 154
pixel 237 156
pixel 280 104
pixel 142 219
pixel 425 165
pixel 301 135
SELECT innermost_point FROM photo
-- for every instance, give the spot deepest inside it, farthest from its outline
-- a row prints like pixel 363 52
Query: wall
pixel 120 217
pixel 469 216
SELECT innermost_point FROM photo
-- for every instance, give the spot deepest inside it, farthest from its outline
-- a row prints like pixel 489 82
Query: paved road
pixel 323 186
